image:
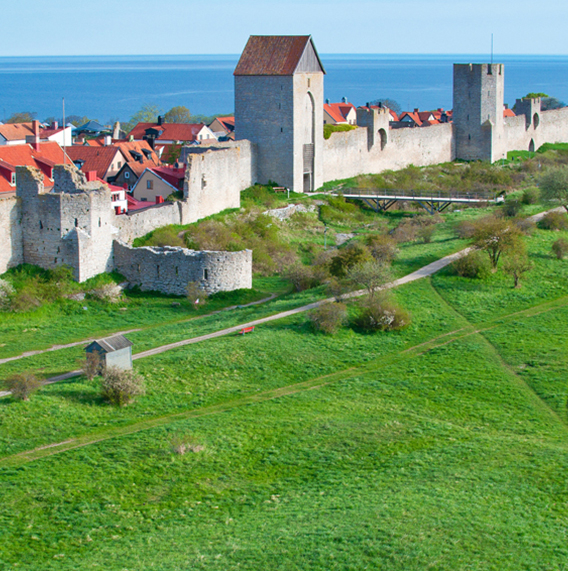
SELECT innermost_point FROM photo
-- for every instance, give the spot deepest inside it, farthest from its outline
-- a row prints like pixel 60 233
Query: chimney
pixel 327 101
pixel 160 119
pixel 91 176
pixel 33 140
pixel 344 100
pixel 54 125
pixel 108 140
pixel 159 199
pixel 116 131
pixel 415 110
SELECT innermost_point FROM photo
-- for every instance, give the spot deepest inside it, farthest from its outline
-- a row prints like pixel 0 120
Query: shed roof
pixel 274 55
pixel 111 344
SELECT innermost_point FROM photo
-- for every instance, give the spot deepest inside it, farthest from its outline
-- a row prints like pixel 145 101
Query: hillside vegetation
pixel 440 445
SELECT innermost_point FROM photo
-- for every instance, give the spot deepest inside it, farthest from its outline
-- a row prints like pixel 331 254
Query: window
pixel 309 81
pixel 119 164
pixel 149 184
pixel 205 274
pixel 126 174
pixel 13 180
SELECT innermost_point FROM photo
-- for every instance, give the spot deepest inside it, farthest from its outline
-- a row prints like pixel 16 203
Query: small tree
pixel 517 263
pixel 121 386
pixel 337 288
pixel 425 233
pixel 329 317
pixel 494 236
pixel 302 277
pixel 371 275
pixel 554 186
pixel 93 365
pixel 178 114
pixel 347 258
pixel 560 248
pixel 195 295
pixel 382 247
pixel 22 385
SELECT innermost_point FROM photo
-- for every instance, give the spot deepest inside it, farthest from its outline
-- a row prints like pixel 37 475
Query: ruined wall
pixel 11 238
pixel 547 127
pixel 169 269
pixel 215 177
pixel 347 154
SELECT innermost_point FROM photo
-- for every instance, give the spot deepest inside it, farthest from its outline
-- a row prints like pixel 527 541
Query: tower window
pixel 205 274
pixel 469 137
pixel 309 82
pixel 282 129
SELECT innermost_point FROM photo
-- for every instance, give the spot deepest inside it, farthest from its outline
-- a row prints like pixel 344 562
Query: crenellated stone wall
pixel 170 269
pixel 11 235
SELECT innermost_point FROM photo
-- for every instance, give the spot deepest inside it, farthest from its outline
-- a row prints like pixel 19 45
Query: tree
pixel 548 103
pixel 494 236
pixel 329 317
pixel 554 186
pixel 23 117
pixel 382 247
pixel 371 275
pixel 348 257
pixel 390 103
pixel 146 114
pixel 77 120
pixel 121 386
pixel 22 385
pixel 560 248
pixel 179 114
pixel 517 263
pixel 92 365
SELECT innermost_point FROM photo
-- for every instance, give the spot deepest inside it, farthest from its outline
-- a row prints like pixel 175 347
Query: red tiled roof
pixel 332 110
pixel 171 175
pixel 134 204
pixel 16 131
pixel 48 155
pixel 45 133
pixel 273 55
pixel 414 116
pixel 508 113
pixel 170 131
pixel 95 158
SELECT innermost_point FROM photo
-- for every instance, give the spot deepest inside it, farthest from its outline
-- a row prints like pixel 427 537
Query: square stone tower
pixel 478 111
pixel 279 108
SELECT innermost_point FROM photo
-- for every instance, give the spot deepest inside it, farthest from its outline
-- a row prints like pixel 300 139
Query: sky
pixel 140 27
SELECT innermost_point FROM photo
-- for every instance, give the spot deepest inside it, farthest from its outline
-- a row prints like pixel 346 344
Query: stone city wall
pixel 216 175
pixel 11 238
pixel 347 154
pixel 170 269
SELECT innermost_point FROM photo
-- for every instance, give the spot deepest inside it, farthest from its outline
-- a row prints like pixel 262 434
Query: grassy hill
pixel 442 446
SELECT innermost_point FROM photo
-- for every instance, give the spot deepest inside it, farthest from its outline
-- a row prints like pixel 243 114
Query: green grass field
pixel 443 446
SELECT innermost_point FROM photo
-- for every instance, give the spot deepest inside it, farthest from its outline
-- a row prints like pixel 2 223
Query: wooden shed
pixel 115 351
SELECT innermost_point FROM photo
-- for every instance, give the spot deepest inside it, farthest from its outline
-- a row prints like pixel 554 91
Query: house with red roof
pixel 63 136
pixel 106 161
pixel 339 113
pixel 223 128
pixel 43 156
pixel 152 185
pixel 16 133
pixel 162 133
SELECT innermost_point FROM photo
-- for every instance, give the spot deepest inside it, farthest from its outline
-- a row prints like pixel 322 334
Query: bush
pixel 560 248
pixel 554 221
pixel 195 295
pixel 382 247
pixel 121 386
pixel 348 257
pixel 329 317
pixel 381 314
pixel 473 265
pixel 302 277
pixel 511 208
pixel 6 291
pixel 465 229
pixel 337 289
pixel 181 443
pixel 328 129
pixel 530 195
pixel 525 225
pixel 166 236
pixel 406 231
pixel 425 233
pixel 107 292
pixel 22 385
pixel 93 365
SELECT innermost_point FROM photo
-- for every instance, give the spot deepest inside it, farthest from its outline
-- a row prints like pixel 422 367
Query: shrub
pixel 6 291
pixel 381 314
pixel 511 208
pixel 329 317
pixel 530 195
pixel 121 386
pixel 554 221
pixel 195 295
pixel 425 233
pixel 517 264
pixel 166 236
pixel 302 277
pixel 22 385
pixel 93 365
pixel 347 258
pixel 25 300
pixel 382 247
pixel 328 129
pixel 495 236
pixel 465 229
pixel 560 248
pixel 337 288
pixel 472 265
pixel 371 275
pixel 181 443
pixel 525 225
pixel 406 231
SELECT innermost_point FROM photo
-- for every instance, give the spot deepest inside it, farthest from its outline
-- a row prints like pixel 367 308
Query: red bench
pixel 246 330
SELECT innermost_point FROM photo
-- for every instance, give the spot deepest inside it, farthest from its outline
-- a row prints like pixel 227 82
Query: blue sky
pixel 104 27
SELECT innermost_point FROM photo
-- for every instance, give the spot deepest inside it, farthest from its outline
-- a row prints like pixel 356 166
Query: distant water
pixel 111 87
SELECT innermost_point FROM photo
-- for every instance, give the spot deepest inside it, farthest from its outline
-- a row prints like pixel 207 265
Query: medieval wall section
pixel 170 269
pixel 347 154
pixel 11 237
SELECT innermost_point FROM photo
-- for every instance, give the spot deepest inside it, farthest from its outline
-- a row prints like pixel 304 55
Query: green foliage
pixel 531 195
pixel 148 113
pixel 554 221
pixel 172 154
pixel 534 95
pixel 328 318
pixel 554 185
pixel 382 247
pixel 371 275
pixel 347 258
pixel 511 207
pixel 164 236
pixel 195 295
pixel 517 263
pixel 121 386
pixel 22 385
pixel 494 236
pixel 23 117
pixel 473 265
pixel 380 313
pixel 329 129
pixel 560 248
pixel 178 114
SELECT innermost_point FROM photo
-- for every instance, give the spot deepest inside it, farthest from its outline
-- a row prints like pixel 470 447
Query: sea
pixel 109 88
